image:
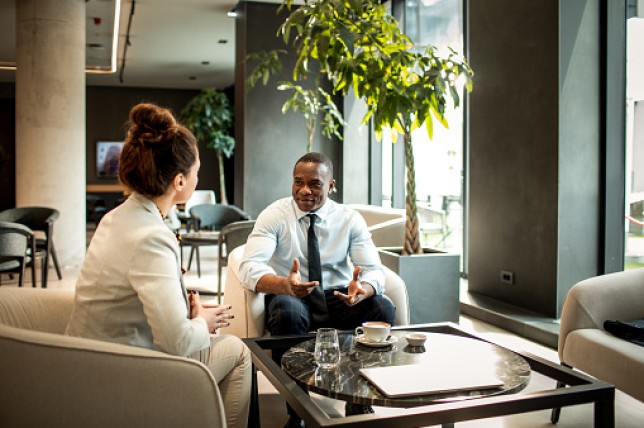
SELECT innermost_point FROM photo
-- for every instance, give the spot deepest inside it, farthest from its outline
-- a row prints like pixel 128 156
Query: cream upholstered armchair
pixel 584 343
pixel 53 380
pixel 387 225
pixel 248 306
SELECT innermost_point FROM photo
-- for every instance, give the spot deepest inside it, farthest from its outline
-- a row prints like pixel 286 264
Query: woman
pixel 130 288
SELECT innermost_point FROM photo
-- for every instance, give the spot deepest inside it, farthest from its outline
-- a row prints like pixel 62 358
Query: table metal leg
pixel 253 414
pixel 605 412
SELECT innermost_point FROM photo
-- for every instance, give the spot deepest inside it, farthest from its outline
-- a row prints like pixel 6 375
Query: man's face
pixel 311 185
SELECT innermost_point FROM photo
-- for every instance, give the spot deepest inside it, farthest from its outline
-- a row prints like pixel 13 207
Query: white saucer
pixel 363 341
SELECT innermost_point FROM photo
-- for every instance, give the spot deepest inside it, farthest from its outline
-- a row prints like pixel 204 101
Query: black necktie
pixel 316 300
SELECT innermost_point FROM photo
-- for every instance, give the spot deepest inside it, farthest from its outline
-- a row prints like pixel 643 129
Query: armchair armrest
pixel 247 306
pixel 396 290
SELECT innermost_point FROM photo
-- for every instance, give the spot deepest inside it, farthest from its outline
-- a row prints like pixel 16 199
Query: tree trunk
pixel 411 244
pixel 222 178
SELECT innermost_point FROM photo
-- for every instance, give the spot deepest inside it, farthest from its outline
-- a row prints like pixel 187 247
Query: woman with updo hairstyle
pixel 130 289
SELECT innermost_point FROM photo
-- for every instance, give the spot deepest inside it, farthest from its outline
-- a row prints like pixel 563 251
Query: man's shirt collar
pixel 320 212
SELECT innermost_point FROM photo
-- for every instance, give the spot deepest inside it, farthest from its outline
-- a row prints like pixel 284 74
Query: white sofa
pixel 52 380
pixel 387 225
pixel 248 306
pixel 583 342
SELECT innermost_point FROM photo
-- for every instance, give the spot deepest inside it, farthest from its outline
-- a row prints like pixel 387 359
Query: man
pixel 304 290
pixel 276 261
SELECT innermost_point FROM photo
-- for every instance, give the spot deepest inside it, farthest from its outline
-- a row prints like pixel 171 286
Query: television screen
pixel 107 158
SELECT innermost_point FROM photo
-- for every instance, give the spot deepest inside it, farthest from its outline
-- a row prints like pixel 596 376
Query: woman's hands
pixel 216 316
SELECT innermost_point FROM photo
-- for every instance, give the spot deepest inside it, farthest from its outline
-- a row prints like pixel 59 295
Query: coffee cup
pixel 374 331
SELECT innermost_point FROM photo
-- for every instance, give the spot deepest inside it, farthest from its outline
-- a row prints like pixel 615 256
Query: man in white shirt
pixel 276 259
pixel 328 275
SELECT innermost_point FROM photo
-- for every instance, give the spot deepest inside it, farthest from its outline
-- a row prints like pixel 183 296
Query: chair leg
pixel 192 252
pixel 219 281
pixel 56 265
pixel 44 270
pixel 33 272
pixel 45 265
pixel 198 262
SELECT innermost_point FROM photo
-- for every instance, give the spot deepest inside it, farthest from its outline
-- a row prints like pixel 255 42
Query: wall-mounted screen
pixel 108 154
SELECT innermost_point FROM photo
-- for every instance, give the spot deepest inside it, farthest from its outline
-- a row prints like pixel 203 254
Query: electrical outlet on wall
pixel 507 276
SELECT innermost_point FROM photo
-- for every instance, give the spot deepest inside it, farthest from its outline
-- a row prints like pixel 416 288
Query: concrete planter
pixel 432 281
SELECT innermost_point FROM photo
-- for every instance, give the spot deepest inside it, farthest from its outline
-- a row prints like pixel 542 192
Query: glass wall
pixel 634 256
pixel 439 162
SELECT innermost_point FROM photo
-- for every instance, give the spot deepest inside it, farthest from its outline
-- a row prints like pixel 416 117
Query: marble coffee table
pixel 446 354
pixel 299 375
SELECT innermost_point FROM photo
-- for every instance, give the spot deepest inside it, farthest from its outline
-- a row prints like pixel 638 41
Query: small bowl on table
pixel 416 339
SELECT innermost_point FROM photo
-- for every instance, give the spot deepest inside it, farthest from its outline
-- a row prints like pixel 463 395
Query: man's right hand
pixel 291 284
pixel 296 287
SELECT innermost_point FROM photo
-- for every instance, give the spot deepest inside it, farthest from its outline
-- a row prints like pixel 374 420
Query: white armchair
pixel 387 225
pixel 53 380
pixel 248 306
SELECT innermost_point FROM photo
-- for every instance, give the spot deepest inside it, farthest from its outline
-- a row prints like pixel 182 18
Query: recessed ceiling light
pixel 232 13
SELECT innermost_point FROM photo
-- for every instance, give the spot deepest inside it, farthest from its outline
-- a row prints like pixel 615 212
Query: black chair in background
pixel 16 244
pixel 96 208
pixel 231 236
pixel 213 218
pixel 38 219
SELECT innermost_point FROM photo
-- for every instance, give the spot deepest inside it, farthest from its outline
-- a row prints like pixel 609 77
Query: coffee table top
pixel 446 352
pixel 579 389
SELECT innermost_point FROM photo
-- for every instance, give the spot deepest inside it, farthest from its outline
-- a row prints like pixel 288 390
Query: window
pixel 634 250
pixel 439 162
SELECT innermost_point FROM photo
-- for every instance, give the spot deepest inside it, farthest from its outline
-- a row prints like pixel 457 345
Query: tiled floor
pixel 629 412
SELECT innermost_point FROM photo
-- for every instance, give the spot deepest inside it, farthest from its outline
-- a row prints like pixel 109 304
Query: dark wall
pixel 107 113
pixel 534 147
pixel 268 142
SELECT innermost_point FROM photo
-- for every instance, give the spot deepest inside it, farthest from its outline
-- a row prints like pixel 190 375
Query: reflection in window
pixel 634 256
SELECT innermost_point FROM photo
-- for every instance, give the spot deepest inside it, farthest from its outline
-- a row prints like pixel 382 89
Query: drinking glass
pixel 327 348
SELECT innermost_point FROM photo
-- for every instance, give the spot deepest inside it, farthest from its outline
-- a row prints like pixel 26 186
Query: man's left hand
pixel 355 292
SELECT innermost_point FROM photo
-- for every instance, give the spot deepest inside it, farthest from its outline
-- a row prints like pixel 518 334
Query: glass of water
pixel 327 348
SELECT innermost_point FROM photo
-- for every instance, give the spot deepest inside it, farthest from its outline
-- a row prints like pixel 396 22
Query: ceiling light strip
pixel 127 41
pixel 115 43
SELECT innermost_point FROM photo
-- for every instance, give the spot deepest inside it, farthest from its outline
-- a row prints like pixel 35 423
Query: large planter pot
pixel 432 281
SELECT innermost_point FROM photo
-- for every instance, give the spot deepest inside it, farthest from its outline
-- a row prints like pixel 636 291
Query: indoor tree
pixel 357 44
pixel 309 102
pixel 210 117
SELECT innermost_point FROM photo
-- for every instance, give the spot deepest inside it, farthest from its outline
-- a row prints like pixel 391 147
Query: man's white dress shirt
pixel 280 235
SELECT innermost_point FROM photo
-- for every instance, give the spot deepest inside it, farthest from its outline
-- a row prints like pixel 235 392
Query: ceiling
pixel 180 44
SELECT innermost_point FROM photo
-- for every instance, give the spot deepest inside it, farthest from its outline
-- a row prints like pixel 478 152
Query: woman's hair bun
pixel 148 123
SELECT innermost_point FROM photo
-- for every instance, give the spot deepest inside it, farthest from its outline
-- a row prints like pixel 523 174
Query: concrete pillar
pixel 50 116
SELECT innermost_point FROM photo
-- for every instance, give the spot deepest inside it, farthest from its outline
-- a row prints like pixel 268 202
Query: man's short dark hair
pixel 315 157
